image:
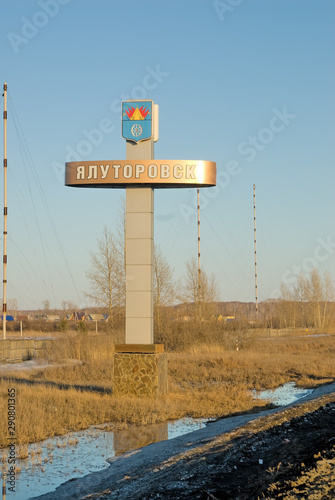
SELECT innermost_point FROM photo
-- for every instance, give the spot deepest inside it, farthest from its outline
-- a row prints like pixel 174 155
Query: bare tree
pixel 68 306
pixel 106 274
pixel 199 289
pixel 319 293
pixel 300 295
pixel 307 303
pixel 164 285
pixel 12 307
pixel 190 284
pixel 46 306
pixel 291 307
pixel 315 296
pixel 328 296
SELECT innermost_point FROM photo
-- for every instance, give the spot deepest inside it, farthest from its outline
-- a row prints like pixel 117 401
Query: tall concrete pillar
pixel 139 253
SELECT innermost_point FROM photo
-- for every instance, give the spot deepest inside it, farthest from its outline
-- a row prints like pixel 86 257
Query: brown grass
pixel 205 380
pixel 316 483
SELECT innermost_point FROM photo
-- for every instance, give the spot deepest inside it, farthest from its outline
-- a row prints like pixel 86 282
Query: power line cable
pixel 24 154
pixel 44 201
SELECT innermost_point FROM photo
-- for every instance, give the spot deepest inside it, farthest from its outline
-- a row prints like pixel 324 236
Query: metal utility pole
pixel 4 306
pixel 256 298
pixel 199 268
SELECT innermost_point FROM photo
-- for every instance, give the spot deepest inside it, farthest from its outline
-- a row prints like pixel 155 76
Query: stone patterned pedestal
pixel 140 370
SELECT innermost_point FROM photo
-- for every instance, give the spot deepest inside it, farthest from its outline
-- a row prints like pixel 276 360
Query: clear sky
pixel 246 83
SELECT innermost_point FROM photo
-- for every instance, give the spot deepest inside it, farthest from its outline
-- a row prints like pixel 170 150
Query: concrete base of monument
pixel 140 370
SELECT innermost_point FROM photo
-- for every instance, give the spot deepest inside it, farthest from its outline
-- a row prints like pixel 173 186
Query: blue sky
pixel 248 84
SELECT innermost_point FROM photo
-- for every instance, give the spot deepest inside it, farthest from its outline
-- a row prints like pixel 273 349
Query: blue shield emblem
pixel 137 120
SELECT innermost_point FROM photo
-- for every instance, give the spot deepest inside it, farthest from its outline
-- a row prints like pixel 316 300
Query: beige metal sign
pixel 154 173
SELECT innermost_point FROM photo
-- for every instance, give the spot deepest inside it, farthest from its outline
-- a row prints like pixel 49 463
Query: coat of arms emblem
pixel 137 120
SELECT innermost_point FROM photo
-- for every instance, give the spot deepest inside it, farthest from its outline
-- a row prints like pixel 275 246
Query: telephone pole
pixel 256 292
pixel 199 268
pixel 4 305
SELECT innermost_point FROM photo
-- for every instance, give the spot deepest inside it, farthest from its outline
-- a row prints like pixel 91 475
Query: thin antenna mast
pixel 199 268
pixel 256 298
pixel 4 306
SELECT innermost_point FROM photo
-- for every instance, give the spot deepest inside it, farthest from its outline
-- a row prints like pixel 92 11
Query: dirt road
pixel 282 453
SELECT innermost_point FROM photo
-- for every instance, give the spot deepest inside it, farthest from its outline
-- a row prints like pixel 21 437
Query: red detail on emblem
pixel 144 111
pixel 131 110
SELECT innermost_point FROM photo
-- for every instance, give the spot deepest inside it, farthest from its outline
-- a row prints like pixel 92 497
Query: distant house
pixel 97 317
pixel 9 317
pixel 226 319
pixel 51 317
pixel 76 316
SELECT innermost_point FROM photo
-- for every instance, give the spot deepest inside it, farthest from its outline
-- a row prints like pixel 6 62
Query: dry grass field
pixel 209 379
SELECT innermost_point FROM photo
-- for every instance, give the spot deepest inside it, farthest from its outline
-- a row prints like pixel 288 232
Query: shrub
pixel 81 327
pixel 63 325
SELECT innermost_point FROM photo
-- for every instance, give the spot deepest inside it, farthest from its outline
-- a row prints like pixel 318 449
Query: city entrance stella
pixel 140 366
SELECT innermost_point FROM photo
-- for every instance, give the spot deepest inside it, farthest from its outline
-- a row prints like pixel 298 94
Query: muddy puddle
pixel 284 395
pixel 41 467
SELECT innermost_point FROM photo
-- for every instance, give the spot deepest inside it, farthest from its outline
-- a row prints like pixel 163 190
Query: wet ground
pixel 283 461
pixel 55 460
pixel 242 457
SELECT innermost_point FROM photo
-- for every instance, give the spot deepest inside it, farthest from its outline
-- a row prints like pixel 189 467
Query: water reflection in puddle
pixel 54 461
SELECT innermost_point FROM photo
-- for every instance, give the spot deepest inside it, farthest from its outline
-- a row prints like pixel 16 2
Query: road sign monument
pixel 140 366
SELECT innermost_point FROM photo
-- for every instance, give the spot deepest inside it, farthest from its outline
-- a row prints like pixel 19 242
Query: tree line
pixel 107 278
pixel 308 304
